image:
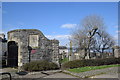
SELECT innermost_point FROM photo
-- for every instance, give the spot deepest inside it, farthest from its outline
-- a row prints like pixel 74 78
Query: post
pixel 29 56
pixel 70 55
pixel 29 50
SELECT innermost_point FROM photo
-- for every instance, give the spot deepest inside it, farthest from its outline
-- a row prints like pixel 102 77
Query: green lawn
pixel 88 68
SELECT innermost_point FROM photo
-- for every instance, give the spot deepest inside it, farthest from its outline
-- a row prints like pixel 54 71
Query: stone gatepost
pixel 116 51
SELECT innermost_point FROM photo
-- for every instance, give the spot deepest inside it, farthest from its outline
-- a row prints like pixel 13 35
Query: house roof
pixel 62 47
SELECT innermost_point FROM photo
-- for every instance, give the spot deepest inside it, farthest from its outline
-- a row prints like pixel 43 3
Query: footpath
pixel 112 72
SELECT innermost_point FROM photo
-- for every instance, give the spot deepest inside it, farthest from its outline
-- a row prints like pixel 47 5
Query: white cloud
pixel 116 37
pixel 59 37
pixel 1 31
pixel 63 39
pixel 69 25
pixel 118 31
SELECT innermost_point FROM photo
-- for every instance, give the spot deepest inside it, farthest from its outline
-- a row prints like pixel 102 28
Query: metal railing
pixel 4 73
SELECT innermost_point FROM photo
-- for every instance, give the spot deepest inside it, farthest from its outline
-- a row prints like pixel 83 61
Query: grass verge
pixel 88 68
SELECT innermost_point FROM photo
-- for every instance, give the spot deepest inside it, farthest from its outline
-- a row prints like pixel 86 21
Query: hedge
pixel 40 66
pixel 90 62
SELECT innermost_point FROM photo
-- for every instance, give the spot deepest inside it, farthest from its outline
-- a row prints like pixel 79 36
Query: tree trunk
pixel 85 53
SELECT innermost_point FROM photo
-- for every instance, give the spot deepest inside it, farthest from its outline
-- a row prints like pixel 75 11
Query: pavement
pixel 112 75
pixel 101 73
pixel 60 75
pixel 40 74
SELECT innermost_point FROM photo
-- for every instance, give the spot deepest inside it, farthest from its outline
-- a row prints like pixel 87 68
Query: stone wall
pixel 116 51
pixel 41 48
pixel 55 48
pixel 3 45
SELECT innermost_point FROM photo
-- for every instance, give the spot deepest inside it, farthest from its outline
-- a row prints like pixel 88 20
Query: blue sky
pixel 57 19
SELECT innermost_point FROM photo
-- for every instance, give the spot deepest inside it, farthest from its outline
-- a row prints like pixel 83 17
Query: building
pixel 63 51
pixel 2 36
pixel 79 55
pixel 3 44
pixel 25 45
pixel 3 50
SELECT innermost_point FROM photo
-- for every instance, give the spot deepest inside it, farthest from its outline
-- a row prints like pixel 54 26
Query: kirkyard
pixel 84 50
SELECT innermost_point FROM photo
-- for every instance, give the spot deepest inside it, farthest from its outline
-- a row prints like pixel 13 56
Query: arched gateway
pixel 12 54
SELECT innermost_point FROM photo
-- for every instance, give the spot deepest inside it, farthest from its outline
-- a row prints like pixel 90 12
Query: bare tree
pixel 104 42
pixel 91 35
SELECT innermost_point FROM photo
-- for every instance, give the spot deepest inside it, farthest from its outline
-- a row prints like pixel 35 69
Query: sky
pixel 60 0
pixel 57 19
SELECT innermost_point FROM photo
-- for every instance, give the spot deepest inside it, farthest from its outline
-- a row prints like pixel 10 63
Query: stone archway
pixel 12 54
